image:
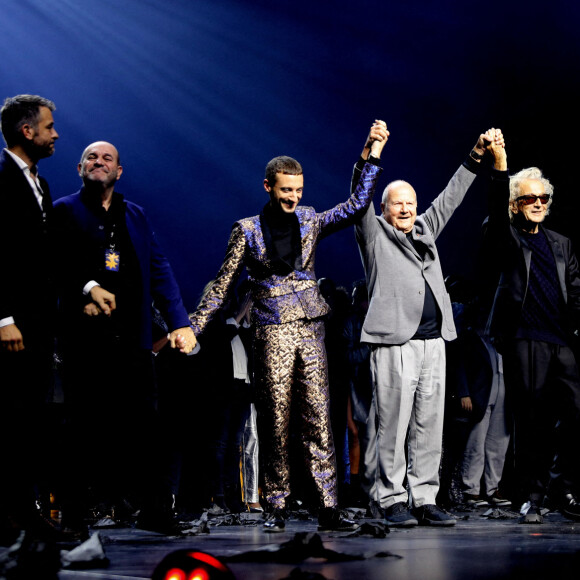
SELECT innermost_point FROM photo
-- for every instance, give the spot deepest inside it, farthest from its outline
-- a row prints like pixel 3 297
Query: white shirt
pixel 239 354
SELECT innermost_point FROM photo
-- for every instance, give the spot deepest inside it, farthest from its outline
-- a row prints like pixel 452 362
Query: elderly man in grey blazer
pixel 408 321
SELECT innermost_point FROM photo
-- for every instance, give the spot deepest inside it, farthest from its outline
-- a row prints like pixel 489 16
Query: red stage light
pixel 189 565
pixel 174 574
pixel 198 574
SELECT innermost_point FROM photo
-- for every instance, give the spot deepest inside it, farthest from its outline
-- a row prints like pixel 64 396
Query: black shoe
pixel 333 519
pixel 432 515
pixel 570 507
pixel 399 516
pixel 274 521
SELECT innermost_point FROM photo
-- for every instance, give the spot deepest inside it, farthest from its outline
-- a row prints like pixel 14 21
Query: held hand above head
pixel 498 151
pixel 11 338
pixel 104 299
pixel 182 339
pixel 483 142
pixel 378 136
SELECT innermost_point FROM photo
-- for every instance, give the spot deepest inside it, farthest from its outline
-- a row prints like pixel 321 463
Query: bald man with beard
pixel 112 272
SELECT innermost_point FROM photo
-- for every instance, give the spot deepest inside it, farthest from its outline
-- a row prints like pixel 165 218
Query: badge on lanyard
pixel 112 260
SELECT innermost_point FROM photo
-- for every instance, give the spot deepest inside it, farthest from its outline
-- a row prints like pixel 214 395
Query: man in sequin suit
pixel 277 247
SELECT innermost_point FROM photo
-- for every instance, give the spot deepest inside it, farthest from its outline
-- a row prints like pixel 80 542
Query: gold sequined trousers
pixel 290 369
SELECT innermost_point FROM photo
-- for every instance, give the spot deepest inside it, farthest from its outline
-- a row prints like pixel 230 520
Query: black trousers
pixel 25 438
pixel 543 384
pixel 112 431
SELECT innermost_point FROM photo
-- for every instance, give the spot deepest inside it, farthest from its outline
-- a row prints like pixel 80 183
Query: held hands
pixel 378 136
pixel 482 144
pixel 492 140
pixel 11 338
pixel 183 339
pixel 497 150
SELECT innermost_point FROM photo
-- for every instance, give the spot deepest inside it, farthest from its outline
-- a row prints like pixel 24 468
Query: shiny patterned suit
pixel 290 359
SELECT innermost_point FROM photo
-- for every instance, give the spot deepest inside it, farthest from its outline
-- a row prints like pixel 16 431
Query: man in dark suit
pixel 536 309
pixel 27 301
pixel 113 272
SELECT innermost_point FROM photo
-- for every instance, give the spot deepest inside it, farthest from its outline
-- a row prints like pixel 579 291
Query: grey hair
pixel 524 175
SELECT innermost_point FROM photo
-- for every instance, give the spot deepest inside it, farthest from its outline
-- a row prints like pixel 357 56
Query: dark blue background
pixel 198 95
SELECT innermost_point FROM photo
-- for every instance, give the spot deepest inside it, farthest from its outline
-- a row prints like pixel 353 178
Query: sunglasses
pixel 531 199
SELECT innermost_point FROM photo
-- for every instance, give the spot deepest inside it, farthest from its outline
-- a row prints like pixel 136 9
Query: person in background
pixel 27 296
pixel 361 409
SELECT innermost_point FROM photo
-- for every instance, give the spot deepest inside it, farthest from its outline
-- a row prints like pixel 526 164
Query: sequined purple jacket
pixel 278 299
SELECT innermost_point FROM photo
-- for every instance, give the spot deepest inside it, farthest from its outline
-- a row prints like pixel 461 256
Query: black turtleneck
pixel 281 232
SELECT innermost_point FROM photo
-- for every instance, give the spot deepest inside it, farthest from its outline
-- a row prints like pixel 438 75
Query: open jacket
pixel 508 261
pixel 395 272
pixel 83 234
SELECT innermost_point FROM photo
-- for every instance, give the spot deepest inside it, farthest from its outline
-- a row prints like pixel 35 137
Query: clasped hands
pixel 104 302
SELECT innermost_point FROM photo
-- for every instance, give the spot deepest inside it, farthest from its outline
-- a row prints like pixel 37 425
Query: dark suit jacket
pixel 81 232
pixel 508 260
pixel 26 288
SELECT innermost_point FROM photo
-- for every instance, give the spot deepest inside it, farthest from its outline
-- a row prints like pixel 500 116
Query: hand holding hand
pixel 498 151
pixel 378 137
pixel 483 142
pixel 182 339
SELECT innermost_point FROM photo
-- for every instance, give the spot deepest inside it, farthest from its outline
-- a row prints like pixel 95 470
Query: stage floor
pixel 476 548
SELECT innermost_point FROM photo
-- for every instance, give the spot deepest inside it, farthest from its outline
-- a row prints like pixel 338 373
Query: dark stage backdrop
pixel 199 94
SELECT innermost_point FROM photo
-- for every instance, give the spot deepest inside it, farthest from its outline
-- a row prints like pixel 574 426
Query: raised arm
pixel 362 186
pixel 442 208
pixel 377 139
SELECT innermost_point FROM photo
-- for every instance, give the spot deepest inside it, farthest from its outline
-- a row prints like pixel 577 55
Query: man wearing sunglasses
pixel 535 311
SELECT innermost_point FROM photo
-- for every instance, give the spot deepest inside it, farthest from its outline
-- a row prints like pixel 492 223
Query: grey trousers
pixel 369 454
pixel 409 383
pixel 487 446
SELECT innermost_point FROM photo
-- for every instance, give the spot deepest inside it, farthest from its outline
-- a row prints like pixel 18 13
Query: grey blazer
pixel 396 274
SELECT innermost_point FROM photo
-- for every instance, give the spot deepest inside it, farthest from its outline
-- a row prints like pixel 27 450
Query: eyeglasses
pixel 530 199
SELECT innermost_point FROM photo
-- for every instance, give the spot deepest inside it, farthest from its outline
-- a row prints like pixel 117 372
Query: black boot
pixel 332 519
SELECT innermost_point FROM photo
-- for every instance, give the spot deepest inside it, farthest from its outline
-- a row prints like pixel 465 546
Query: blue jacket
pixel 81 235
